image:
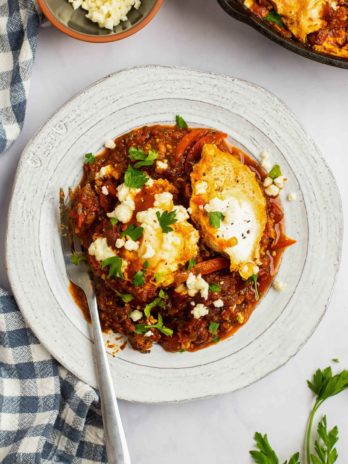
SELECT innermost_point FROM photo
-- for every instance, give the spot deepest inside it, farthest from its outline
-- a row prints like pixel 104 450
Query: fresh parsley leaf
pixel 180 122
pixel 159 301
pixel 76 258
pixel 325 385
pixel 216 340
pixel 274 17
pixel 125 297
pixel 335 360
pixel 89 158
pixel 324 445
pixel 215 218
pixel 215 288
pixel 190 264
pixel 166 219
pixel 137 154
pixel 133 232
pixel 213 327
pixel 265 454
pixel 138 278
pixel 134 178
pixel 113 221
pixel 115 269
pixel 254 279
pixel 142 328
pixel 275 172
pixel 146 264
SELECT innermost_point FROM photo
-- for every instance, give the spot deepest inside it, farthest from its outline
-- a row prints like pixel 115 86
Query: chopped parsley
pixel 89 158
pixel 142 328
pixel 76 258
pixel 159 301
pixel 215 218
pixel 115 269
pixel 125 297
pixel 134 178
pixel 138 278
pixel 275 172
pixel 190 264
pixel 143 159
pixel 133 232
pixel 274 17
pixel 166 219
pixel 146 264
pixel 180 122
pixel 113 221
pixel 213 327
pixel 215 288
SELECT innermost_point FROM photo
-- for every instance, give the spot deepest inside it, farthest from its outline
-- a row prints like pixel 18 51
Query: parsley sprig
pixel 324 385
pixel 77 258
pixel 89 158
pixel 143 159
pixel 274 17
pixel 180 122
pixel 166 219
pixel 275 172
pixel 142 328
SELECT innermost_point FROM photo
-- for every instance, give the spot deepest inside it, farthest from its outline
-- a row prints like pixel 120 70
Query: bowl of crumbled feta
pixel 99 20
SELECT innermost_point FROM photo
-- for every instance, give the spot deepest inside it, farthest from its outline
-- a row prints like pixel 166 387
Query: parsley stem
pixel 309 430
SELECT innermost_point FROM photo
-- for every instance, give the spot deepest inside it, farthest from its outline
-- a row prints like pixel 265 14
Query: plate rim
pixel 340 220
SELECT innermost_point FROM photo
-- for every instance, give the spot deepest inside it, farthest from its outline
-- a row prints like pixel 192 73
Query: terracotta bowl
pixel 74 22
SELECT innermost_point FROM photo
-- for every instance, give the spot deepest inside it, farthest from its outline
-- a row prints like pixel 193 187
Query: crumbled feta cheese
pixel 110 144
pixel 278 285
pixel 272 191
pixel 200 310
pixel 122 213
pixel 136 315
pixel 292 197
pixel 148 333
pixel 105 171
pixel 131 245
pixel 149 251
pixel 120 242
pixel 189 210
pixel 196 284
pixel 218 303
pixel 267 182
pixel 100 249
pixel 107 14
pixel 280 181
pixel 264 155
pixel 161 165
pixel 105 190
pixel 150 182
pixel 266 165
pixel 163 200
pixel 181 213
pixel 201 187
pixel 256 270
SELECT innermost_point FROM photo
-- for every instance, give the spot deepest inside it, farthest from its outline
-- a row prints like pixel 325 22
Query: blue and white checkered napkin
pixel 19 25
pixel 46 414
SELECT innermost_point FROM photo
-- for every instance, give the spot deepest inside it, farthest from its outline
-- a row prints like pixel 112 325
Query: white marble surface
pixel 198 34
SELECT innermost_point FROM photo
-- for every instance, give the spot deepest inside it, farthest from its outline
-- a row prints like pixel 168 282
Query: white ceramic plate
pixel 256 120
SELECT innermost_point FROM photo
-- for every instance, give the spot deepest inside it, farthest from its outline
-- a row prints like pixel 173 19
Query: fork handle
pixel 115 439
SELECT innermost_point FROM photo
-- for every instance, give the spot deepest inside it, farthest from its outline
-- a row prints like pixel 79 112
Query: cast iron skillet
pixel 237 10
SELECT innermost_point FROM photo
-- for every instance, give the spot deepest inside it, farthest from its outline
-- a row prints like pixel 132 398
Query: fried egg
pixel 229 208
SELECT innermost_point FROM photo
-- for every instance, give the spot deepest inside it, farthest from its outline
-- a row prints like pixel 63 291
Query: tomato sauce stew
pixel 146 303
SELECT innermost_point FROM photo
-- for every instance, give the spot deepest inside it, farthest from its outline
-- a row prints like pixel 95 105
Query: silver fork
pixel 115 439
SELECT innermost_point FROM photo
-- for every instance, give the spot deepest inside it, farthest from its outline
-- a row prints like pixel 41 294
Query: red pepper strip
pixel 284 242
pixel 187 141
pixel 195 151
pixel 204 268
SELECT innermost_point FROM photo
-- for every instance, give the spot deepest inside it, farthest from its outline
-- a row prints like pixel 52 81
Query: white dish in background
pixel 256 120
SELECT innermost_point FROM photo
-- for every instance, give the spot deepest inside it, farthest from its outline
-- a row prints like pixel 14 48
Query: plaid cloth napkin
pixel 19 25
pixel 46 414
